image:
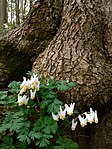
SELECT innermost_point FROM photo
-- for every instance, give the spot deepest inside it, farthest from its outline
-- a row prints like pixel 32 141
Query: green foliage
pixel 65 144
pixel 29 73
pixel 14 87
pixel 32 125
pixel 51 100
pixel 64 86
pixel 3 95
pixel 8 143
pixel 46 125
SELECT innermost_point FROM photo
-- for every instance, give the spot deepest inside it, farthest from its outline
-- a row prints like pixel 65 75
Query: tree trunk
pixel 3 16
pixel 3 12
pixel 21 46
pixel 17 12
pixel 81 51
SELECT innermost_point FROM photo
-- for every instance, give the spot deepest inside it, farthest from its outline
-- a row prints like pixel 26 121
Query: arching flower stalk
pixel 83 119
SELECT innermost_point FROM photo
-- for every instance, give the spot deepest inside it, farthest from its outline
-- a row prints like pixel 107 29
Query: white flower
pixel 55 117
pixel 70 108
pixel 34 82
pixel 32 94
pixel 74 124
pixel 27 84
pixel 62 113
pixel 37 87
pixel 91 110
pixel 23 83
pixel 34 79
pixel 95 117
pixel 23 90
pixel 90 116
pixel 83 121
pixel 22 100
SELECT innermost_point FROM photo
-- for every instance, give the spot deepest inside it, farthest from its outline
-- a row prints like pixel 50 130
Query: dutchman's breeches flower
pixel 28 84
pixel 70 108
pixel 35 86
pixel 24 86
pixel 34 82
pixel 62 113
pixel 23 90
pixel 23 83
pixel 84 118
pixel 22 100
pixel 55 117
pixel 95 117
pixel 83 121
pixel 32 94
pixel 74 124
pixel 31 85
pixel 90 117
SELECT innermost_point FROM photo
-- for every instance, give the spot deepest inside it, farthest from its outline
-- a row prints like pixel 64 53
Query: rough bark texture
pixel 78 53
pixel 22 45
pixel 81 51
pixel 3 13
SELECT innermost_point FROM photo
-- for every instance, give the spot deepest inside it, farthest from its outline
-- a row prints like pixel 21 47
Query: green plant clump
pixel 26 120
pixel 33 115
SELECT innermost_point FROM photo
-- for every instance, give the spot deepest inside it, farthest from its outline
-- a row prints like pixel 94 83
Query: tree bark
pixel 17 12
pixel 3 16
pixel 20 46
pixel 81 51
pixel 3 13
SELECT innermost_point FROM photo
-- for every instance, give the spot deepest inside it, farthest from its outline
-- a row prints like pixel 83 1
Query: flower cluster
pixel 31 85
pixel 84 118
pixel 62 113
